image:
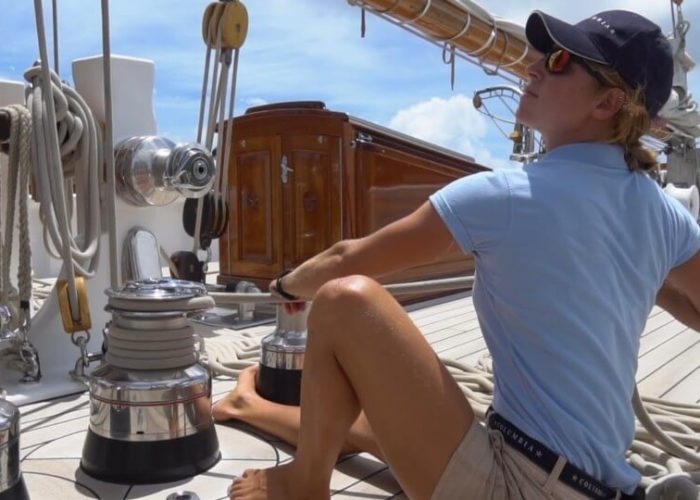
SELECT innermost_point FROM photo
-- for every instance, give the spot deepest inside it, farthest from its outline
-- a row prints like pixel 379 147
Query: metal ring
pixel 77 340
pixel 497 67
pixel 461 32
pixel 448 47
pixel 422 13
pixel 489 43
pixel 519 59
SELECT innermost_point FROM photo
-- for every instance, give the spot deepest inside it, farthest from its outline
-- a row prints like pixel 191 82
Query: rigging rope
pixel 224 29
pixel 17 198
pixel 72 165
pixel 21 355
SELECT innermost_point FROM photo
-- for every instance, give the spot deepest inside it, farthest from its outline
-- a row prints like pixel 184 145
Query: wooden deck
pixel 53 432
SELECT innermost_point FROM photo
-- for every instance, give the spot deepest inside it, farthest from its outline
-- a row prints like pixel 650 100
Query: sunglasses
pixel 557 60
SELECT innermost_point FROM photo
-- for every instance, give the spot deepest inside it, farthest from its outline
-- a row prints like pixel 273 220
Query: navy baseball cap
pixel 631 44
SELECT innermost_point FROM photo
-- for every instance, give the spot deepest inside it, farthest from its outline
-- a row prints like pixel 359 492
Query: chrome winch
pixel 12 485
pixel 282 358
pixel 150 404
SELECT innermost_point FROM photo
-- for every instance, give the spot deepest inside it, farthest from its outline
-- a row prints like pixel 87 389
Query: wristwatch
pixel 280 289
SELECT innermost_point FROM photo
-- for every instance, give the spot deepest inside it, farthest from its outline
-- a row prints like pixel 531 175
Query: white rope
pixel 214 99
pixel 111 193
pixel 228 131
pixel 64 129
pixel 225 61
pixel 17 196
pixel 77 155
pixel 143 349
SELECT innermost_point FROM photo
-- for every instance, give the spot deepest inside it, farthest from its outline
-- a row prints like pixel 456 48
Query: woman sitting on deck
pixel 571 254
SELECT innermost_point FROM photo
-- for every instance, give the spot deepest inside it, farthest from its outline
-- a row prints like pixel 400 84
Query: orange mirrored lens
pixel 558 60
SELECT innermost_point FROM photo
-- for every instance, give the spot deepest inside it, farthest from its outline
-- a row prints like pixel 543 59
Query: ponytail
pixel 631 123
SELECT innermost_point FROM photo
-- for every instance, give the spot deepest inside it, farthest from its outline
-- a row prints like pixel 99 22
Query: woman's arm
pixel 418 238
pixel 680 293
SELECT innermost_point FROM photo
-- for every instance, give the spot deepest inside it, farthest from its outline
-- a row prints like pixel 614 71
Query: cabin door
pixel 254 230
pixel 310 195
pixel 284 195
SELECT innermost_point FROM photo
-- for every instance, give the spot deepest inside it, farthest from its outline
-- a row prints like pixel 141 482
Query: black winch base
pixel 17 492
pixel 280 385
pixel 142 462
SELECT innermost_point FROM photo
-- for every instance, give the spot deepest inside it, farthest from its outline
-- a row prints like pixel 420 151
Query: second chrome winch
pixel 282 358
pixel 150 404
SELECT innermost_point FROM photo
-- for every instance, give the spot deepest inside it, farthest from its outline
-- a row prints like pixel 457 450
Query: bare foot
pixel 243 403
pixel 279 483
pixel 240 399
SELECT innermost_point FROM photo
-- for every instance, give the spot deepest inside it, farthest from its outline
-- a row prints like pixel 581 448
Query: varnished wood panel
pixel 339 186
pixel 254 231
pixel 392 183
pixel 312 195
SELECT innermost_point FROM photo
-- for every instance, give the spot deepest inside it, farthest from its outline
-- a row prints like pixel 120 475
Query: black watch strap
pixel 280 289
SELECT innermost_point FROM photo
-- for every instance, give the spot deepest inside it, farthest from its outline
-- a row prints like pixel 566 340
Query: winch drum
pixel 150 404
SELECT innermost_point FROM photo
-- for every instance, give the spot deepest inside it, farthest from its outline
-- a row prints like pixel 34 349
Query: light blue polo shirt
pixel 570 253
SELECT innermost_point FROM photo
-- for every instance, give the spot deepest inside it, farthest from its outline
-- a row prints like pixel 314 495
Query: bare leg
pixel 282 421
pixel 364 351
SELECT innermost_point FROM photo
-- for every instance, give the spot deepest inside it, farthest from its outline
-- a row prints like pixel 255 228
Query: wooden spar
pixel 450 21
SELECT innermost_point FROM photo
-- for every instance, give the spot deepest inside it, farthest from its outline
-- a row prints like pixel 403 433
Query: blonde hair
pixel 631 122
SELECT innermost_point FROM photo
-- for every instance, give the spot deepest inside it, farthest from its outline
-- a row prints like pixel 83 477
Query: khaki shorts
pixel 485 467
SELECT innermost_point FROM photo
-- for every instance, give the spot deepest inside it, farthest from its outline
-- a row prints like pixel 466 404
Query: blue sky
pixel 304 50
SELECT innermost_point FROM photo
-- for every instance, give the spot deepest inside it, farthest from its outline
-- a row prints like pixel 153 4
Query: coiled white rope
pixel 159 348
pixel 72 163
pixel 18 300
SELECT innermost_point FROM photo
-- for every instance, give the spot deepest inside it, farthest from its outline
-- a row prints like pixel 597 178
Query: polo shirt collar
pixel 594 153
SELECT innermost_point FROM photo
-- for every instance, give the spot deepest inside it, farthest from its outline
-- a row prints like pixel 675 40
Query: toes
pixel 248 473
pixel 246 486
pixel 229 490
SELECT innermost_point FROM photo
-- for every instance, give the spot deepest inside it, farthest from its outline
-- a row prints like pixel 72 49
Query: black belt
pixel 546 459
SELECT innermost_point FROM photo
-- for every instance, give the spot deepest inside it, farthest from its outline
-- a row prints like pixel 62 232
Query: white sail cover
pixel 681 111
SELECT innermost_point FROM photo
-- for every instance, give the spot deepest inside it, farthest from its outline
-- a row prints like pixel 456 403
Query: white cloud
pixel 452 123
